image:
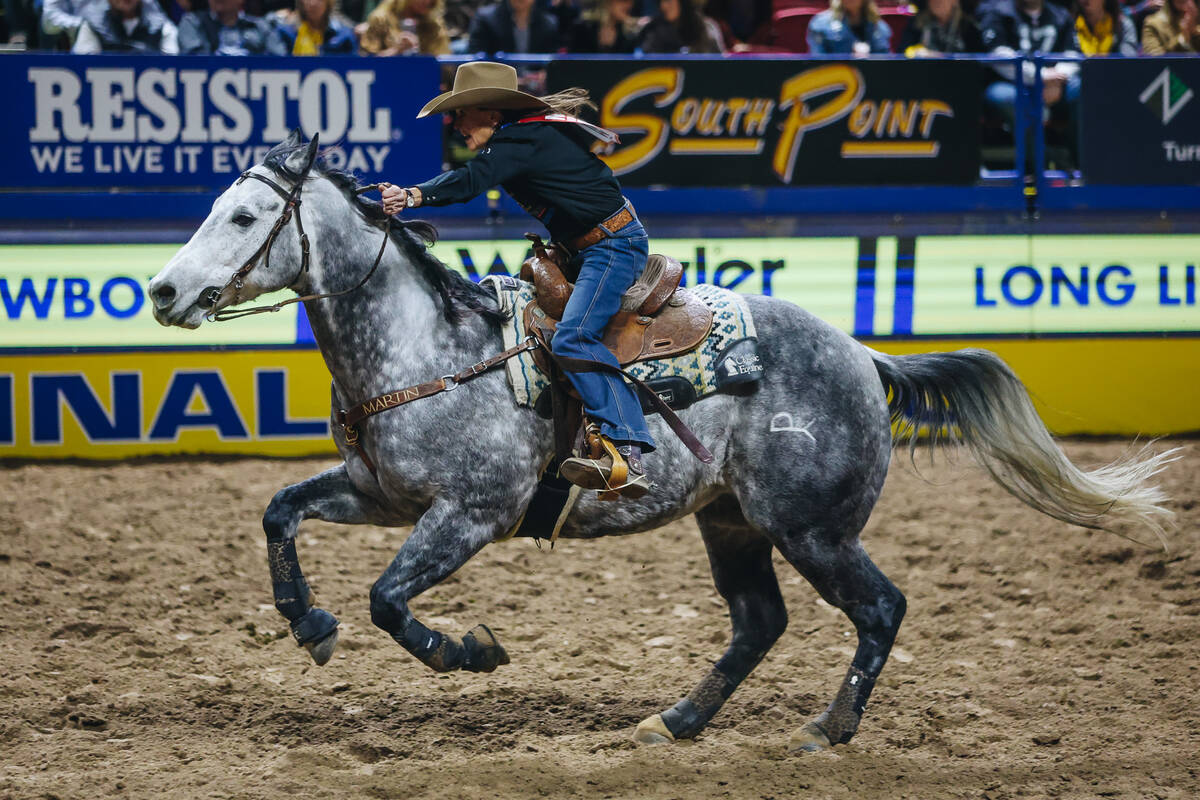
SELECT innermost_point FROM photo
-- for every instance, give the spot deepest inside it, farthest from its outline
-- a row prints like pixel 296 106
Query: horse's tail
pixel 971 397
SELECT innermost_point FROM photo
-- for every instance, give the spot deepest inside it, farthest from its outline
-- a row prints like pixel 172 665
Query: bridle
pixel 291 210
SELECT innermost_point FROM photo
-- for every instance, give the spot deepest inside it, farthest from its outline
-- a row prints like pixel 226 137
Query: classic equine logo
pixel 1166 96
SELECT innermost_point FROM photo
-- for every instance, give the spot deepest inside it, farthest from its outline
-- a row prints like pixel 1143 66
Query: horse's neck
pixel 388 334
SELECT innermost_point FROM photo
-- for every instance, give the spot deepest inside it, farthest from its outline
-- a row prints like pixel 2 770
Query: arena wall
pixel 1103 329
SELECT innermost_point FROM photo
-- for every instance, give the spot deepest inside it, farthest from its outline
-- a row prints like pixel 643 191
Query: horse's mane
pixel 458 294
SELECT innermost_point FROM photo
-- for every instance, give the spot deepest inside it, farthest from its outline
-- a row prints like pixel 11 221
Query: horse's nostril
pixel 164 295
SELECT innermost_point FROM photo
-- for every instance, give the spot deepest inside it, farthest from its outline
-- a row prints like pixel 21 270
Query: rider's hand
pixel 394 199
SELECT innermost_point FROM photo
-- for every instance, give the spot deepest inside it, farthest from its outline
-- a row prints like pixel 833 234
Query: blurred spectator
pixel 849 27
pixel 679 27
pixel 314 31
pixel 1174 28
pixel 941 28
pixel 126 26
pixel 513 26
pixel 457 16
pixel 1024 26
pixel 224 30
pixel 1102 29
pixel 607 28
pixel 15 22
pixel 405 27
pixel 742 20
pixel 61 18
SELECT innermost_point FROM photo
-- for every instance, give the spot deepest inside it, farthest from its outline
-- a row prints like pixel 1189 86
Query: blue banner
pixel 1141 121
pixel 184 121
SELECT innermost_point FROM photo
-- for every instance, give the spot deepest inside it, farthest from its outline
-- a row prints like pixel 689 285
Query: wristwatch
pixel 410 199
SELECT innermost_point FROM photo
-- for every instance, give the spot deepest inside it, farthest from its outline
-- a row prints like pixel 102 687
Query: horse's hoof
pixel 484 651
pixel 653 730
pixel 322 650
pixel 316 631
pixel 809 739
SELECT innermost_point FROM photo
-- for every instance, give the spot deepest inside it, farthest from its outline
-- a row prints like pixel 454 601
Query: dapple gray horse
pixel 462 466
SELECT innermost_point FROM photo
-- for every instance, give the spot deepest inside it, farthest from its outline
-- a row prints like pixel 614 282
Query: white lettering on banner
pixel 193 81
pixel 331 117
pixel 47 159
pixel 56 91
pixel 1181 152
pixel 276 87
pixel 220 91
pixel 160 106
pixel 112 90
pixel 155 90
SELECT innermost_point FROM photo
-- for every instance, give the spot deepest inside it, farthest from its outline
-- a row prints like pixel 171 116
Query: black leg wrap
pixel 689 716
pixel 292 595
pixel 314 626
pixel 840 720
pixel 435 650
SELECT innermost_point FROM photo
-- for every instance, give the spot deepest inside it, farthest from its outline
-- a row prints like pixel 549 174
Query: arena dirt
pixel 140 655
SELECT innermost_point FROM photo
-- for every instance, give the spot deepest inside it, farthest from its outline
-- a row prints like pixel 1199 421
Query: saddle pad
pixel 726 357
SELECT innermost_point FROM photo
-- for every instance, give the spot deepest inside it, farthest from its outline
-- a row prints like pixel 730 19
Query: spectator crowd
pixel 1073 28
pixel 437 27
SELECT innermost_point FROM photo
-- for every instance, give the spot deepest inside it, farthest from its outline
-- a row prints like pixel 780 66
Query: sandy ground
pixel 140 655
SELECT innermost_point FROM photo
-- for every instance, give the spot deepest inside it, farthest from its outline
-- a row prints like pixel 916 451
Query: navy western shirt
pixel 546 167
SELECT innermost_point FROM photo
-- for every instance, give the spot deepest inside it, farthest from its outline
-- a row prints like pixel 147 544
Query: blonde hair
pixel 569 101
pixel 431 29
pixel 870 10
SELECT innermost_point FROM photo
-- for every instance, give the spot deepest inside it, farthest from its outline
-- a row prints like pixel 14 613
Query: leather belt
pixel 605 229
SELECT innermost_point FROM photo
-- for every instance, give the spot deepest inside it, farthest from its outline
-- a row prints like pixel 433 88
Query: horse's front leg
pixel 445 537
pixel 329 496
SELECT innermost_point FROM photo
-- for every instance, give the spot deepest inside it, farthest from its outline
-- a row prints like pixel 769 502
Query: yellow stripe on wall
pixel 1118 386
pixel 889 149
pixel 275 402
pixel 684 147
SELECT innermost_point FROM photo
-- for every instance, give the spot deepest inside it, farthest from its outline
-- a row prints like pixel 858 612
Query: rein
pixel 291 208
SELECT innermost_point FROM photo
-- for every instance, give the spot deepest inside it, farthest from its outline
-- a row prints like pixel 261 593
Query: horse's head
pixel 249 245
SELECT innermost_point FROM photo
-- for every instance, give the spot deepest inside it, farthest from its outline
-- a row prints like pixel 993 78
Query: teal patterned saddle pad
pixel 727 357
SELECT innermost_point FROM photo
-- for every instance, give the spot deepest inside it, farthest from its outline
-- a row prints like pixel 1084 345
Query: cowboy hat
pixel 482 84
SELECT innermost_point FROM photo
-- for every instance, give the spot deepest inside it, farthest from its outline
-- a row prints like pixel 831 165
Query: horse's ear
pixel 295 138
pixel 301 161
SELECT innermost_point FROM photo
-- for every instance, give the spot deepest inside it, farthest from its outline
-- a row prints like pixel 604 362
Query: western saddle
pixel 658 318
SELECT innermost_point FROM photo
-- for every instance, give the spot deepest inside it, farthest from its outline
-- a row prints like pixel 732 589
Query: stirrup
pixel 606 471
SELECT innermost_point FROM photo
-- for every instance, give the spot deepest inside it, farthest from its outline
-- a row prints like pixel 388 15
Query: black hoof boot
pixel 484 652
pixel 316 632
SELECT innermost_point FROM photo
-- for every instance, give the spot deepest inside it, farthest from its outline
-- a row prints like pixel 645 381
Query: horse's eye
pixel 244 219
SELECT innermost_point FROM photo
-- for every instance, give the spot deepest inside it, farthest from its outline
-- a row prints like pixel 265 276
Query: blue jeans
pixel 607 269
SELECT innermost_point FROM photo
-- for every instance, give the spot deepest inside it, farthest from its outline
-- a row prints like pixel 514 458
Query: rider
pixel 540 152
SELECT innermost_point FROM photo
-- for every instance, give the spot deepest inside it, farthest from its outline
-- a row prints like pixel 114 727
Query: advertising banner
pixel 86 372
pixel 114 405
pixel 1054 285
pixel 783 122
pixel 198 121
pixel 1141 121
pixel 79 296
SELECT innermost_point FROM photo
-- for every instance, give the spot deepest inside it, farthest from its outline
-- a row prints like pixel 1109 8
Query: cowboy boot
pixel 616 471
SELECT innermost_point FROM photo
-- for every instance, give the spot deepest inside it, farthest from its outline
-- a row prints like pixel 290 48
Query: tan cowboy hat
pixel 482 84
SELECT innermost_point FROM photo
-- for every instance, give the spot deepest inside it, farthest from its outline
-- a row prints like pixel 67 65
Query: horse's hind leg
pixel 846 578
pixel 329 496
pixel 743 574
